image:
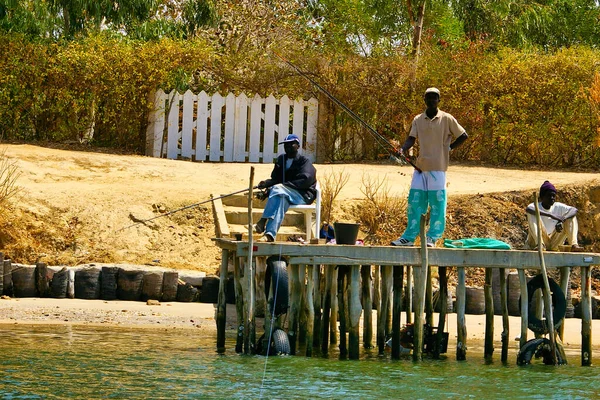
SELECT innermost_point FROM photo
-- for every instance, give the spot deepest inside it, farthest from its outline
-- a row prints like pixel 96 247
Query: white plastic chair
pixel 308 210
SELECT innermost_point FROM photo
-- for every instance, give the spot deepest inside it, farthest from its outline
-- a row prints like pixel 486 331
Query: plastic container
pixel 345 233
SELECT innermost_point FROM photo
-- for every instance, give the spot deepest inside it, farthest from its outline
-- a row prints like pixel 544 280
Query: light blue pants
pixel 280 199
pixel 427 190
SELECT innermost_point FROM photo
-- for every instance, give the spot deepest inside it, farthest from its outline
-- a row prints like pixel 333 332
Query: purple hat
pixel 291 138
pixel 547 187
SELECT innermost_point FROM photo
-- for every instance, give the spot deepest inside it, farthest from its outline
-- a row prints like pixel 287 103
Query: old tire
pixel 129 284
pixel 539 348
pixel 169 286
pixel 59 283
pixel 280 342
pixel 152 286
pixel 23 279
pixel 108 283
pixel 474 301
pixel 559 304
pixel 87 283
pixel 277 275
pixel 186 293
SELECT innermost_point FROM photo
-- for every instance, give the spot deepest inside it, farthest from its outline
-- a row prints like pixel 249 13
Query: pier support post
pixel 397 310
pixel 443 311
pixel 382 309
pixel 505 321
pixel 420 289
pixel 317 298
pixel 303 308
pixel 367 305
pixel 565 273
pixel 221 305
pixel 524 308
pixel 342 307
pixel 586 316
pixel 310 309
pixel 461 325
pixel 333 319
pixel 429 299
pixel 354 311
pixel 329 277
pixel 239 304
pixel 489 316
pixel 294 313
pixel 409 295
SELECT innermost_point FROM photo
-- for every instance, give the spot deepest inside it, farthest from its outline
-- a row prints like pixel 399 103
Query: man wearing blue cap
pixel 437 132
pixel 293 181
pixel 559 221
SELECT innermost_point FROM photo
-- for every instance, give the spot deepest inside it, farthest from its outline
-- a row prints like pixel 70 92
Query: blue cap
pixel 291 138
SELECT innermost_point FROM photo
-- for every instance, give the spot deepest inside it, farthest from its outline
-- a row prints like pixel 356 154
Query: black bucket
pixel 345 233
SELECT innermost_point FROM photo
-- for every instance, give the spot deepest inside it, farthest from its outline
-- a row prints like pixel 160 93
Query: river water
pixel 57 362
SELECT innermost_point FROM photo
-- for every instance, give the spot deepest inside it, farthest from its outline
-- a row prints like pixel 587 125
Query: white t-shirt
pixel 558 209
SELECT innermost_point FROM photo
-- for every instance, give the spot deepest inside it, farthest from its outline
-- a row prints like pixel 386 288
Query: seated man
pixel 559 222
pixel 293 181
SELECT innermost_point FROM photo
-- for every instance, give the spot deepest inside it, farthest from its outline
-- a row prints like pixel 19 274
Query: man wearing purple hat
pixel 438 132
pixel 559 221
pixel 293 181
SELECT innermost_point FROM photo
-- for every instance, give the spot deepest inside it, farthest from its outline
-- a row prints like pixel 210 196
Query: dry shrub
pixel 382 215
pixel 331 186
pixel 9 173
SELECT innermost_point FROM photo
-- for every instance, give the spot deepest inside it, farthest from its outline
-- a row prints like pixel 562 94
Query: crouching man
pixel 559 222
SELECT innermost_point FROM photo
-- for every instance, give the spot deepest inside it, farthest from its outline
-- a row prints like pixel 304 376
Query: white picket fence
pixel 200 127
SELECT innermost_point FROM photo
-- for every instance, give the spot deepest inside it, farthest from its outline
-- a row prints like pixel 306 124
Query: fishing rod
pixel 380 139
pixel 185 208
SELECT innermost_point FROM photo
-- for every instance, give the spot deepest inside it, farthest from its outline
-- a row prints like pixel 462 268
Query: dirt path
pixel 73 203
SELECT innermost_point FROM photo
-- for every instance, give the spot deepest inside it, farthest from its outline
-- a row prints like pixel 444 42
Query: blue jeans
pixel 280 199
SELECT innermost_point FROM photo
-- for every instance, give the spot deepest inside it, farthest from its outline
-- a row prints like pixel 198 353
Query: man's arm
pixel 408 143
pixel 531 210
pixel 459 140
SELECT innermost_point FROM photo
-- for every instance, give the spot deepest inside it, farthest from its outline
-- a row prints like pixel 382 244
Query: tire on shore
pixel 87 283
pixel 129 284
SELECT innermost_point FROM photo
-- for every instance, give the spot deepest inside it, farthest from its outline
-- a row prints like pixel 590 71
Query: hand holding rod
pixel 185 208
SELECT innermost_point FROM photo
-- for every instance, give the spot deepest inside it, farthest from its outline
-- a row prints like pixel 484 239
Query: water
pixel 58 362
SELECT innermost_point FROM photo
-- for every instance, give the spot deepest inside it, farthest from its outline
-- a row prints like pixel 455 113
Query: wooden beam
pixel 316 277
pixel 488 351
pixel 294 312
pixel 221 225
pixel 524 308
pixel 397 313
pixel 367 305
pixel 586 316
pixel 409 295
pixel 239 304
pixel 382 309
pixel 565 273
pixel 505 320
pixel 354 311
pixel 310 309
pixel 420 289
pixel 329 273
pixel 342 282
pixel 221 302
pixel 443 311
pixel 461 326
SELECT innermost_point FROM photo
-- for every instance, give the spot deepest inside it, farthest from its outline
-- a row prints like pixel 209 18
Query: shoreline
pixel 200 317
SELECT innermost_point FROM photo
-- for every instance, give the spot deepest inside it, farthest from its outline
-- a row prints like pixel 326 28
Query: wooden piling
pixel 505 321
pixel 443 311
pixel 586 316
pixel 565 273
pixel 397 310
pixel 294 311
pixel 239 304
pixel 303 309
pixel 429 299
pixel 409 295
pixel 354 311
pixel 317 301
pixel 461 325
pixel 310 309
pixel 382 310
pixel 420 289
pixel 1 273
pixel 367 305
pixel 221 304
pixel 250 324
pixel 333 318
pixel 342 316
pixel 377 288
pixel 329 273
pixel 547 294
pixel 41 279
pixel 524 308
pixel 489 316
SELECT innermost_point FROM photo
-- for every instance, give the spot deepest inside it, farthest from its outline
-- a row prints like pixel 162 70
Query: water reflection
pixel 84 362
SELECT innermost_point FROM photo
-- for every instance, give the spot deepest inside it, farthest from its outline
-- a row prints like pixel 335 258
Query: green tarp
pixel 476 243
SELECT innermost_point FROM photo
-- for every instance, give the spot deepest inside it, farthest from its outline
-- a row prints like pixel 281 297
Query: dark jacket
pixel 301 176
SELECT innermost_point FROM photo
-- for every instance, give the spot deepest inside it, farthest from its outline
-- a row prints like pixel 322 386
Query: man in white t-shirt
pixel 559 221
pixel 437 132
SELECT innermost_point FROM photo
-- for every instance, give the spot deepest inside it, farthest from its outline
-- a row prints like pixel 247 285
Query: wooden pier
pixel 355 264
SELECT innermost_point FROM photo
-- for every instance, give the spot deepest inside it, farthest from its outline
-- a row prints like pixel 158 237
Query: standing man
pixel 293 181
pixel 438 132
pixel 559 221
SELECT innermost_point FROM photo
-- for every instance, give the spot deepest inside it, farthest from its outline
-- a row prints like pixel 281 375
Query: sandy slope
pixel 85 198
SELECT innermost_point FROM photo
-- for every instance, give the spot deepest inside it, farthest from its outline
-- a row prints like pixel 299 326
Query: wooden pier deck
pixel 393 263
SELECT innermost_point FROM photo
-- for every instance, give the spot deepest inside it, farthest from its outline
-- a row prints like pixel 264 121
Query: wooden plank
pixel 488 350
pixel 187 124
pixel 174 134
pixel 216 108
pixel 157 125
pixel 255 130
pixel 269 145
pixel 310 309
pixel 461 325
pixel 586 316
pixel 228 135
pixel 202 128
pixel 367 305
pixel 221 225
pixel 420 289
pixel 397 313
pixel 298 120
pixel 524 308
pixel 505 320
pixel 312 116
pixel 239 139
pixel 221 304
pixel 354 311
pixel 283 129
